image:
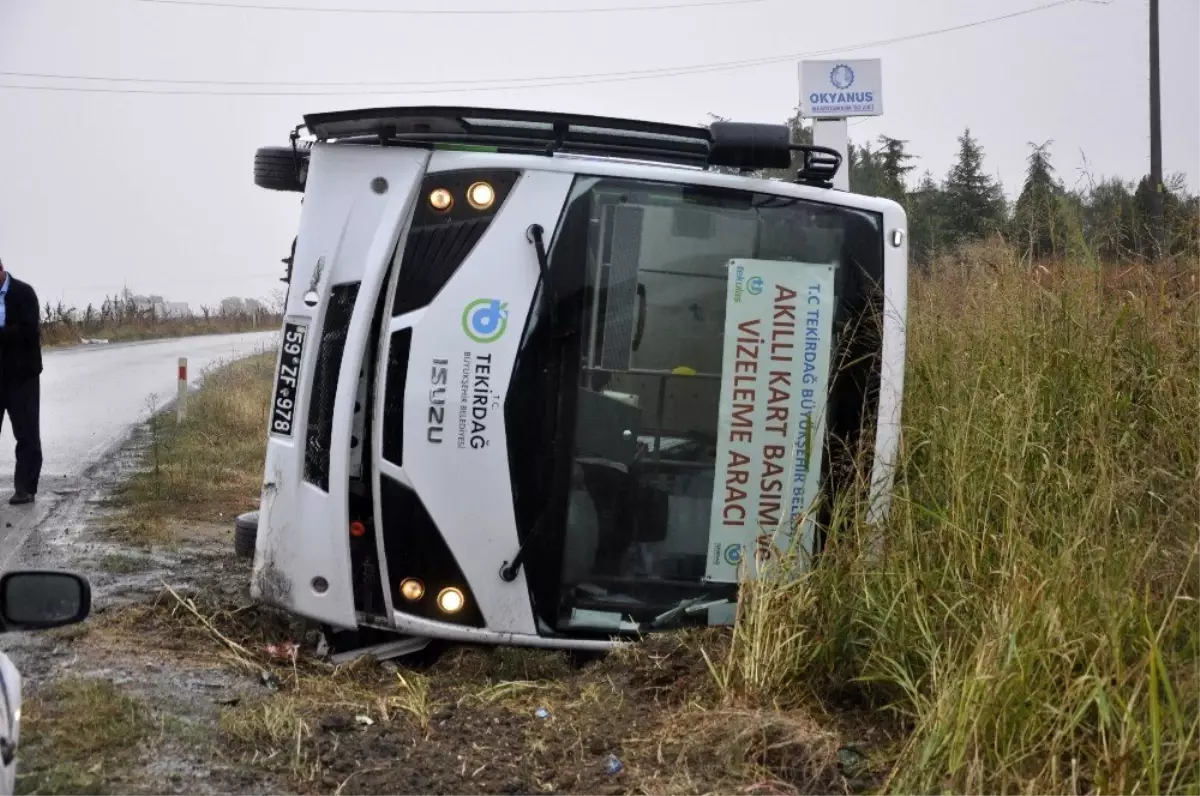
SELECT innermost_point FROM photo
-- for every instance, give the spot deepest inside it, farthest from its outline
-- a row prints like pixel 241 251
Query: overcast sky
pixel 103 188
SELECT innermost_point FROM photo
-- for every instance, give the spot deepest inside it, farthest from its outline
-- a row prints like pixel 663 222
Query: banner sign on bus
pixel 771 422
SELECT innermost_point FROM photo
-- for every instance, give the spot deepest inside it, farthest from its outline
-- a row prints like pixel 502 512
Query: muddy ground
pixel 177 684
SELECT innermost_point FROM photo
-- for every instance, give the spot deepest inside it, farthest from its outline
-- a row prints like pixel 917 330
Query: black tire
pixel 245 533
pixel 279 168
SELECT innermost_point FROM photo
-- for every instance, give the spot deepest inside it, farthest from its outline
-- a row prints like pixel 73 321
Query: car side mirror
pixel 35 600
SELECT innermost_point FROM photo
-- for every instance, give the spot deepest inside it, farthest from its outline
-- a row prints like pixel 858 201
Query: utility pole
pixel 1156 176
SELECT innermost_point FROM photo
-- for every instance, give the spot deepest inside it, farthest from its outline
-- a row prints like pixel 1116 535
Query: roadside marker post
pixel 181 403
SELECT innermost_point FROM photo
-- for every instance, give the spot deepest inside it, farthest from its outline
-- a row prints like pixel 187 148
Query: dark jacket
pixel 21 337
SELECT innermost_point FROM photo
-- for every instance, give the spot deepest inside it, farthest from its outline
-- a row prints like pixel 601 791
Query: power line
pixel 455 11
pixel 494 84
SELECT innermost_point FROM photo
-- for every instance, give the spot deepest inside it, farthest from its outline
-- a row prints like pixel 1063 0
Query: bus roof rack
pixel 730 144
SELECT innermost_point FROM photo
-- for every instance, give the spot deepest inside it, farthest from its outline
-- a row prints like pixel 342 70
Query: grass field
pixel 63 334
pixel 210 466
pixel 1030 622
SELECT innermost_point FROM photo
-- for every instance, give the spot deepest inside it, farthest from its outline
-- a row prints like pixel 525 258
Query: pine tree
pixel 926 220
pixel 974 203
pixel 1039 222
pixel 866 170
pixel 894 167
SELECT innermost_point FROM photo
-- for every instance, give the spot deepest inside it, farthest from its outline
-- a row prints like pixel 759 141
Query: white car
pixel 31 600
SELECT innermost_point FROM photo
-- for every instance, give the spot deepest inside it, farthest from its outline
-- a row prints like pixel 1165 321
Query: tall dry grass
pixel 62 334
pixel 1032 624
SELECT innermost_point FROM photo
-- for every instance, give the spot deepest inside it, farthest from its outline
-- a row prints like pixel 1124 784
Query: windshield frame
pixel 541 466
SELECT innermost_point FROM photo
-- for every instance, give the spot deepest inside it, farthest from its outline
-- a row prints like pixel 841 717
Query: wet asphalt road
pixel 92 398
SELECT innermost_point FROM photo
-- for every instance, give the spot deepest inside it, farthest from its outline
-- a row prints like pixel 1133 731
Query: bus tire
pixel 280 168
pixel 245 534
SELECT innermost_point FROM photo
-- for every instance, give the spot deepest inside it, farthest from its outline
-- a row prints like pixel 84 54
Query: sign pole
pixel 834 133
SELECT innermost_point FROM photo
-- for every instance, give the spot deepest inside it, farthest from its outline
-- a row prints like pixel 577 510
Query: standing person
pixel 20 380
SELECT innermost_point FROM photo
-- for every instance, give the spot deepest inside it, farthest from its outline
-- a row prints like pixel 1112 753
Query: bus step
pixel 384 651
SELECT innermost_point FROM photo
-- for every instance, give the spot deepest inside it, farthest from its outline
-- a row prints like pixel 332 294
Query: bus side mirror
pixel 36 600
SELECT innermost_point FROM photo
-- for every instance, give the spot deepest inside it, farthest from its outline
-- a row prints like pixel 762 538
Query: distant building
pixel 241 306
pixel 159 306
pixel 233 306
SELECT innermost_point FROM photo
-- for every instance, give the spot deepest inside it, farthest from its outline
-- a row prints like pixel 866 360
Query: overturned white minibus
pixel 552 380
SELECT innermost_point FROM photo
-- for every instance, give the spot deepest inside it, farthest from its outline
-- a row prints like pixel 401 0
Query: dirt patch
pixel 242 702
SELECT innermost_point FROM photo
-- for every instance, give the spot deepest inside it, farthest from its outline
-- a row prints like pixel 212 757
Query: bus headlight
pixel 451 600
pixel 441 199
pixel 412 589
pixel 481 195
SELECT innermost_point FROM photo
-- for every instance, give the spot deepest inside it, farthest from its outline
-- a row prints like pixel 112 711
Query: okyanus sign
pixel 837 89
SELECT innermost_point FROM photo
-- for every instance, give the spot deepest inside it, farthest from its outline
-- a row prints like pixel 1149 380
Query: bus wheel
pixel 280 168
pixel 245 532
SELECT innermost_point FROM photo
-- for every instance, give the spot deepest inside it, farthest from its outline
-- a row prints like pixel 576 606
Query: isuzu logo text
pixel 437 401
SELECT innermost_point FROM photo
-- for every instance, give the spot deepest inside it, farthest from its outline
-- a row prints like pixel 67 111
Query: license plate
pixel 283 407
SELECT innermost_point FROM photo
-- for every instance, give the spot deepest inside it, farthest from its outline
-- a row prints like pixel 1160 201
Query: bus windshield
pixel 615 416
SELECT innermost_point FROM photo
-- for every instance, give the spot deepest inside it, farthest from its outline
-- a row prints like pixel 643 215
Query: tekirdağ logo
pixel 755 285
pixel 484 320
pixel 842 77
pixel 733 554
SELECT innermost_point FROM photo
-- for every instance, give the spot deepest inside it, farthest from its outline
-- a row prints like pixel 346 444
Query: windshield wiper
pixel 509 570
pixel 534 236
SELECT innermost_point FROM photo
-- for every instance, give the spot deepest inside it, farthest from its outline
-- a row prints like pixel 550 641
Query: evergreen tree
pixel 1039 222
pixel 866 173
pixel 1109 218
pixel 894 168
pixel 974 203
pixel 927 233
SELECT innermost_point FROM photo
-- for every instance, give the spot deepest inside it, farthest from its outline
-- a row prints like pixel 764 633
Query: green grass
pixel 79 736
pixel 125 563
pixel 1029 622
pixel 210 466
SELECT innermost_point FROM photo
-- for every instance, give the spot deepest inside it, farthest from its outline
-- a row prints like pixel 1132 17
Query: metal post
pixel 1156 176
pixel 834 133
pixel 181 403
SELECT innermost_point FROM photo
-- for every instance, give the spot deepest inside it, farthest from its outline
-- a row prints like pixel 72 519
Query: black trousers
pixel 21 401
